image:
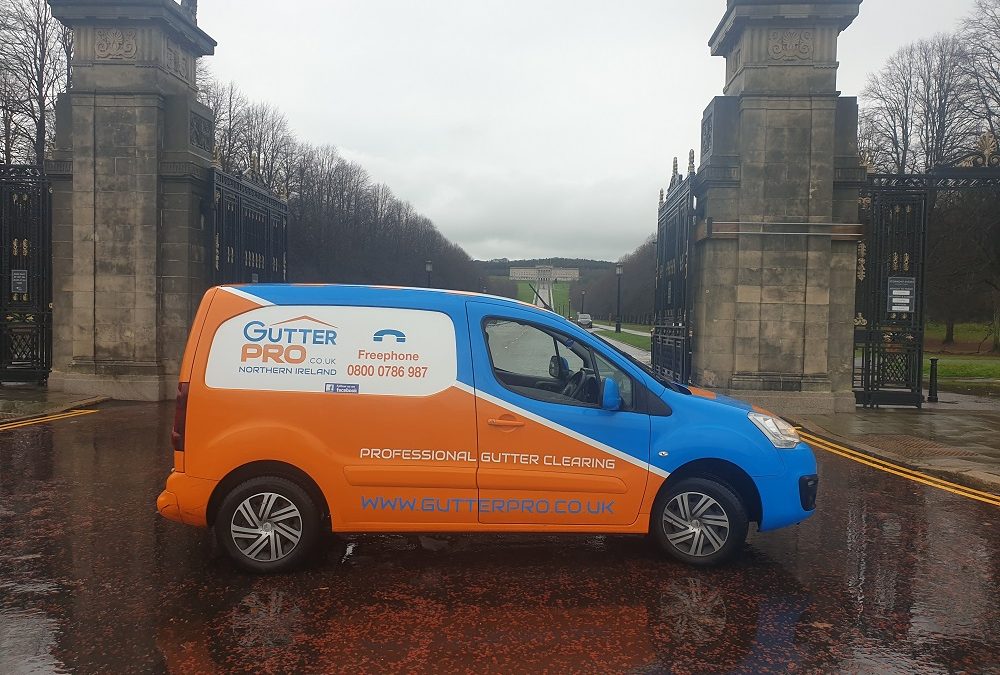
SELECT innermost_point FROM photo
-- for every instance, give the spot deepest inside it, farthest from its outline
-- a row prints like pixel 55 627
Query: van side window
pixel 607 369
pixel 541 363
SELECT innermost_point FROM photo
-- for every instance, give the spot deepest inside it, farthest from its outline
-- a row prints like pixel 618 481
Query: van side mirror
pixel 558 367
pixel 611 397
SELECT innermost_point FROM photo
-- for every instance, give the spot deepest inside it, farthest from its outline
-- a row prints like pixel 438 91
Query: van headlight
pixel 778 431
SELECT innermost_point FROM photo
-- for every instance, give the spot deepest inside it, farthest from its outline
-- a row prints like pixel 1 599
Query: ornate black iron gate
pixel 25 275
pixel 889 299
pixel 249 232
pixel 672 332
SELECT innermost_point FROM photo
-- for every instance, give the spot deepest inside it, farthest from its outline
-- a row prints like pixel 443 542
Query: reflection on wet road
pixel 889 576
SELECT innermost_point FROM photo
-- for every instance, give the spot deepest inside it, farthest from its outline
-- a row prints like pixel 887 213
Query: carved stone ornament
pixel 790 45
pixel 202 135
pixel 115 44
pixel 176 61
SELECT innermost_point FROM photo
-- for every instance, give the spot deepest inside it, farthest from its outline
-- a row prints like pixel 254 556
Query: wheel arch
pixel 725 471
pixel 266 468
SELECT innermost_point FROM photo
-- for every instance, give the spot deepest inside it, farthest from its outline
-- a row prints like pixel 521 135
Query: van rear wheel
pixel 700 521
pixel 267 524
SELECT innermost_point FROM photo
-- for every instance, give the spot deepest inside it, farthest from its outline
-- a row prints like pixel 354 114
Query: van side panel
pixel 384 461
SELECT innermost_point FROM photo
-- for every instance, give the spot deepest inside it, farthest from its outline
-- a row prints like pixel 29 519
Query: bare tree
pixel 872 150
pixel 229 108
pixel 265 140
pixel 891 101
pixel 34 54
pixel 944 127
pixel 981 36
pixel 11 103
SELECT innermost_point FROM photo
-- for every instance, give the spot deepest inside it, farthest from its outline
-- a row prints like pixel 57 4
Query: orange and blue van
pixel 306 409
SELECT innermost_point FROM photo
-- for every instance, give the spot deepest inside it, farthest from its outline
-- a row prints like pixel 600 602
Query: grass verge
pixel 965 365
pixel 638 341
pixel 560 299
pixel 524 293
pixel 966 373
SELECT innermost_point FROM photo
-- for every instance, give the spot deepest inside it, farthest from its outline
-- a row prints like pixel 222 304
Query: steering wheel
pixel 573 385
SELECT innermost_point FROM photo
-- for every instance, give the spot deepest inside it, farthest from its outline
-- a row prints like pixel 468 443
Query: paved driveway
pixel 889 576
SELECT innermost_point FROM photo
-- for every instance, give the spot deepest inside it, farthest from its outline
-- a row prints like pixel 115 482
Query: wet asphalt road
pixel 889 577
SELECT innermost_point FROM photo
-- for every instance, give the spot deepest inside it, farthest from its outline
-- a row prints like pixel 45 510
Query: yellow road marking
pixel 901 471
pixel 854 454
pixel 47 418
pixel 860 455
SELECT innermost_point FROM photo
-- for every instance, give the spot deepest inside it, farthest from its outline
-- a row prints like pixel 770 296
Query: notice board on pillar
pixel 902 295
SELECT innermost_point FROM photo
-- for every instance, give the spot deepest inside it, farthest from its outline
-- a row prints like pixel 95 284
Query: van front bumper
pixel 185 499
pixel 790 497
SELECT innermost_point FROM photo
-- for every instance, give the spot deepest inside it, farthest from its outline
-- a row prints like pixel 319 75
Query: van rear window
pixel 335 350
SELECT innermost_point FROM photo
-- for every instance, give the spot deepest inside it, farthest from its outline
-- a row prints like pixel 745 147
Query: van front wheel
pixel 267 524
pixel 700 521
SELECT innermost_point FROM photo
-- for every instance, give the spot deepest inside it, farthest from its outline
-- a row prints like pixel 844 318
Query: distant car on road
pixel 584 321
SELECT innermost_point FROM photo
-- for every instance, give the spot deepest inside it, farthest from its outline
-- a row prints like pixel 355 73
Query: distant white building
pixel 544 274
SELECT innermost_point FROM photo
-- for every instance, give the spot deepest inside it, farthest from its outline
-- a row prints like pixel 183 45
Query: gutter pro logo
pixel 282 342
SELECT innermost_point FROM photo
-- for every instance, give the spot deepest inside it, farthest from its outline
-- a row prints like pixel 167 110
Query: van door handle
pixel 509 424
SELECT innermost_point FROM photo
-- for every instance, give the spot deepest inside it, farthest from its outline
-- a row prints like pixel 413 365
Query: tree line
pixel 934 103
pixel 343 226
pixel 598 292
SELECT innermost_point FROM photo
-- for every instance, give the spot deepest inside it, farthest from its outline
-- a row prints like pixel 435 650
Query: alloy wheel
pixel 266 526
pixel 695 524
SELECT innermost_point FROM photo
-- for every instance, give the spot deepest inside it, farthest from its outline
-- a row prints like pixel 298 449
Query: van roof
pixel 378 296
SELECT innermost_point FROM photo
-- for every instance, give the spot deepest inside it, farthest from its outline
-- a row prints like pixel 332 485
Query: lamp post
pixel 618 319
pixel 428 267
pixel 583 301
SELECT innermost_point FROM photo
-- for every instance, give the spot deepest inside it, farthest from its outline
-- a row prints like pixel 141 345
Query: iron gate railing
pixel 25 274
pixel 671 340
pixel 889 298
pixel 249 232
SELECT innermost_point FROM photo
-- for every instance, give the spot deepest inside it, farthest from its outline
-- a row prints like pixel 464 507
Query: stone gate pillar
pixel 133 149
pixel 774 264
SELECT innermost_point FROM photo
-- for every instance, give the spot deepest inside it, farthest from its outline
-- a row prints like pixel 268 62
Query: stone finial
pixel 661 196
pixel 675 169
pixel 691 162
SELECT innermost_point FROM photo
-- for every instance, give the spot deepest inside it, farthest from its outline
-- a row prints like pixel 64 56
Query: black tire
pixel 683 544
pixel 273 537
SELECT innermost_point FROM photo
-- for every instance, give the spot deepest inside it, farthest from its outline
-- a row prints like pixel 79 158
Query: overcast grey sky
pixel 522 128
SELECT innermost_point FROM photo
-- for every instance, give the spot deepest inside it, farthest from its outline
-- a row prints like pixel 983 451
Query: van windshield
pixel 669 384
